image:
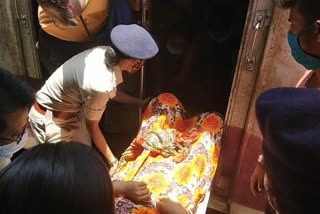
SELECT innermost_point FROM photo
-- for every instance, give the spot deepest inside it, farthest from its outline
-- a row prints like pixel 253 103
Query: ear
pixel 317 25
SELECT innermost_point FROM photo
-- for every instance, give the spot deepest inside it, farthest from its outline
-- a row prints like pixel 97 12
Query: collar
pixel 118 74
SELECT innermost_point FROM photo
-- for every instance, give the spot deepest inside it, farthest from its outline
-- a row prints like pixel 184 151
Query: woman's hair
pixel 294 193
pixel 15 94
pixel 113 56
pixel 57 178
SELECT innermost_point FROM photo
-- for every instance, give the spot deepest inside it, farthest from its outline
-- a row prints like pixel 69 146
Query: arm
pixel 257 177
pixel 133 190
pixel 167 206
pixel 99 140
pixel 122 97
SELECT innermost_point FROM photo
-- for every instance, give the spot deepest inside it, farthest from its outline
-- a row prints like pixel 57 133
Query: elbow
pixel 92 125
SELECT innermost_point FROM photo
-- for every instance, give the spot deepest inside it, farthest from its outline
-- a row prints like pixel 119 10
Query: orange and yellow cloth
pixel 176 157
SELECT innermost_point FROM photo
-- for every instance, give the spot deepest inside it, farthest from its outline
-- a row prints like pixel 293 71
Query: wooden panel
pixel 10 54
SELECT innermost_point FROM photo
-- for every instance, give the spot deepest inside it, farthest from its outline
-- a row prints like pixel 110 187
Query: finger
pixel 145 197
pixel 143 192
pixel 162 198
pixel 252 187
pixel 159 205
pixel 141 183
pixel 142 188
pixel 260 185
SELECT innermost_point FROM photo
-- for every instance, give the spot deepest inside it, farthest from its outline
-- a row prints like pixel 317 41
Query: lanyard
pixel 85 27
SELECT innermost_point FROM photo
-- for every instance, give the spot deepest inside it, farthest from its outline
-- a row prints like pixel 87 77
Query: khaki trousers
pixel 48 129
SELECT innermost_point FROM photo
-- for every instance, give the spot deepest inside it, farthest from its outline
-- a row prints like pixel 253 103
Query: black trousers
pixel 53 52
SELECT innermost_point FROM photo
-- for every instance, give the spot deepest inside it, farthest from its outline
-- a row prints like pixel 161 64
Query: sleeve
pixel 95 104
pixel 4 162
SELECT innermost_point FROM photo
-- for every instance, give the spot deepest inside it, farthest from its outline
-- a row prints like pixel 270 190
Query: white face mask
pixel 8 150
pixel 174 51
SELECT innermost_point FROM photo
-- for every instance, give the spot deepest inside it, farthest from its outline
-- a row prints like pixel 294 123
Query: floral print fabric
pixel 176 157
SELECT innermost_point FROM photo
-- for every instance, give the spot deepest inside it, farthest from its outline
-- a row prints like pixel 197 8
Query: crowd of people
pixel 170 164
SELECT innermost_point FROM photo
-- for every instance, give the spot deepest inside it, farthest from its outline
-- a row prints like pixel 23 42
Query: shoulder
pixel 97 76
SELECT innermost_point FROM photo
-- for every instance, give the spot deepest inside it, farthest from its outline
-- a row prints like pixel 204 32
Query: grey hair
pixel 56 2
pixel 111 57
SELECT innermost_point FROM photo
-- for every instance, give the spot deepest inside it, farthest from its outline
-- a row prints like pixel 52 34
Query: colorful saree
pixel 176 157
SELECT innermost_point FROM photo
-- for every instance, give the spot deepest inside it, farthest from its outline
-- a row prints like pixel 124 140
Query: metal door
pixel 250 59
pixel 18 43
pixel 264 62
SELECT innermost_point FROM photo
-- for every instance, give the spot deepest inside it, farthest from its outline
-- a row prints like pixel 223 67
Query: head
pixel 304 30
pixel 16 98
pixel 220 24
pixel 114 57
pixel 179 38
pixel 62 11
pixel 289 122
pixel 62 178
pixel 133 45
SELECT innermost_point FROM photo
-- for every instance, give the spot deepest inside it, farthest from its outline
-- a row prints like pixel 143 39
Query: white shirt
pixel 83 82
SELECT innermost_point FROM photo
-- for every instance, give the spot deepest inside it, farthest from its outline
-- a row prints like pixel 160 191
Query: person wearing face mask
pixel 16 98
pixel 69 27
pixel 304 41
pixel 289 122
pixel 81 87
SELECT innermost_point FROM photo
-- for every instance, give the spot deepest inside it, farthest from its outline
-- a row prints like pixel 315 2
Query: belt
pixel 57 114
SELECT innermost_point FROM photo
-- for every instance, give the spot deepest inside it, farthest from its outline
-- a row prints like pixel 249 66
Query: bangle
pixel 261 160
pixel 113 163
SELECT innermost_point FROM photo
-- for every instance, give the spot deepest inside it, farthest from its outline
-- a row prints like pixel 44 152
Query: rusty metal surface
pixel 277 69
pixel 241 95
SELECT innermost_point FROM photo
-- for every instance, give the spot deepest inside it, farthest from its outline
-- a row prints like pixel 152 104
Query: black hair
pixel 15 94
pixel 57 178
pixel 113 56
pixel 294 193
pixel 308 8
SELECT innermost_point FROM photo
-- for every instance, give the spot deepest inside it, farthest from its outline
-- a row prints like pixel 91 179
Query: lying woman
pixel 167 169
pixel 174 156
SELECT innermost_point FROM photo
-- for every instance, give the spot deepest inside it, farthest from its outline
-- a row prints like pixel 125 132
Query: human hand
pixel 136 191
pixel 113 166
pixel 257 179
pixel 112 170
pixel 167 206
